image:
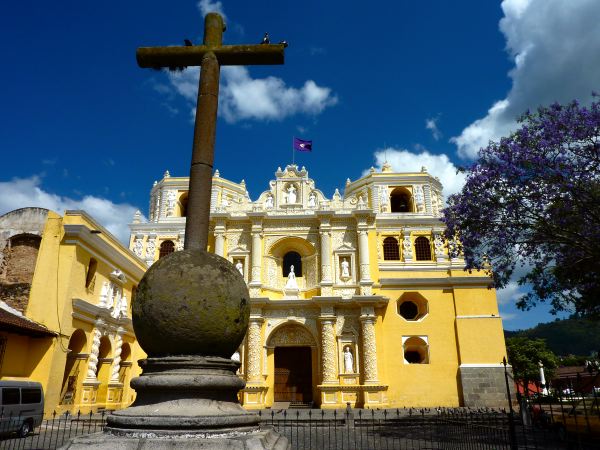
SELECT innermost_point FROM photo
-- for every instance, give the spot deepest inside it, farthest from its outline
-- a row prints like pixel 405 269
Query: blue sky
pixel 418 83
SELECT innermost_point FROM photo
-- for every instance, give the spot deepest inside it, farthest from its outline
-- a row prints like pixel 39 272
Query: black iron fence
pixel 21 431
pixel 567 419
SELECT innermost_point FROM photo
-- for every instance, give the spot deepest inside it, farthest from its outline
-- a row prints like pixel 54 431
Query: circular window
pixel 409 310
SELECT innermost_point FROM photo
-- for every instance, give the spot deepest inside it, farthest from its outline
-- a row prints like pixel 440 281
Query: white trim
pixel 81 235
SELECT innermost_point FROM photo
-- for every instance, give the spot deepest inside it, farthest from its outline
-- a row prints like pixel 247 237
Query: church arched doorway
pixel 294 356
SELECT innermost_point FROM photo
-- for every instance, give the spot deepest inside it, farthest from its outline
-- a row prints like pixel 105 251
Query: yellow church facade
pixel 356 299
pixel 65 316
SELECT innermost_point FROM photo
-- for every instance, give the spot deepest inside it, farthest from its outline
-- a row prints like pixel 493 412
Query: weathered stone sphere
pixel 191 302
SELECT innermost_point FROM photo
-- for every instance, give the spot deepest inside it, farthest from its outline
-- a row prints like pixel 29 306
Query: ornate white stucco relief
pixel 291 335
pixel 369 349
pixel 328 369
pixel 254 351
pixel 93 358
pixel 116 366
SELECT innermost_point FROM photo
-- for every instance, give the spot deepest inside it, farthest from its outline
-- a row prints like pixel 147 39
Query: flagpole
pixel 293 153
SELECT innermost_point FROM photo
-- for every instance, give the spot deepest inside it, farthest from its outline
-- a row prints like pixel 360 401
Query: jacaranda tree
pixel 532 202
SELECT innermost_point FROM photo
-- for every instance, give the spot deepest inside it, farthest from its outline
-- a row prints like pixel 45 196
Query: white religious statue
pixel 291 280
pixel 240 267
pixel 236 356
pixel 312 200
pixel 224 201
pixel 345 268
pixel 361 203
pixel 291 194
pixel 348 361
pixel 269 202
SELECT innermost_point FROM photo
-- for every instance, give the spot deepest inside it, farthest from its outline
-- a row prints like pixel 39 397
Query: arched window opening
pixel 391 251
pixel 183 203
pixel 423 249
pixel 292 259
pixel 165 248
pixel 105 347
pixel 400 201
pixel 73 366
pixel 416 351
pixel 125 353
pixel 91 271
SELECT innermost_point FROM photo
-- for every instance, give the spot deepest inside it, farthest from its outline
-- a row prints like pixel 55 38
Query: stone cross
pixel 210 56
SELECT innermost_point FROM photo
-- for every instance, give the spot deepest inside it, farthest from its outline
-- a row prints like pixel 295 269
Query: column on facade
pixel 363 255
pixel 328 369
pixel 253 337
pixel 256 254
pixel 92 368
pixel 325 256
pixel 367 321
pixel 220 243
pixel 116 365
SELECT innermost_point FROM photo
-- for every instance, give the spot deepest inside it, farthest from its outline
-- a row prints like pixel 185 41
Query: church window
pixel 91 271
pixel 165 248
pixel 292 259
pixel 391 251
pixel 412 306
pixel 416 350
pixel 409 310
pixel 423 249
pixel 183 203
pixel 400 200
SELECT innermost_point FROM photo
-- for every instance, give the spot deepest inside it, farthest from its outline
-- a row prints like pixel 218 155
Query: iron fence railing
pixel 568 420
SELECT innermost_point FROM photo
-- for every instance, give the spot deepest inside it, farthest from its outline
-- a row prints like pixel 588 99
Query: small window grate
pixel 423 249
pixel 391 251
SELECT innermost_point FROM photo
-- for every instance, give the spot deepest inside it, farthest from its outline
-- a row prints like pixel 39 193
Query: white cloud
pixel 207 6
pixel 553 44
pixel 25 192
pixel 431 125
pixel 510 293
pixel 438 165
pixel 242 97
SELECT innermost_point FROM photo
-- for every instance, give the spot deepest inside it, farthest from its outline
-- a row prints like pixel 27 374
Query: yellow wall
pixel 60 277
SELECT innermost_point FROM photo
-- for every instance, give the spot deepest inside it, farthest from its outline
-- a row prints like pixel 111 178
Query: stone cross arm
pixel 227 55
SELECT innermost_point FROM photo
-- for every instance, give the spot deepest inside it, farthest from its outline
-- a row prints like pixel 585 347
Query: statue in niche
pixel 291 279
pixel 240 267
pixel 291 194
pixel 269 202
pixel 345 268
pixel 361 203
pixel 348 360
pixel 312 200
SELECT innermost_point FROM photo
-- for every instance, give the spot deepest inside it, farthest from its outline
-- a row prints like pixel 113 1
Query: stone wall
pixel 485 387
pixel 20 232
pixel 15 295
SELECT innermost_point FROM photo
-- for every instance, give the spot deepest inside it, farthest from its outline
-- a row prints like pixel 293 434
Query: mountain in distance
pixel 572 336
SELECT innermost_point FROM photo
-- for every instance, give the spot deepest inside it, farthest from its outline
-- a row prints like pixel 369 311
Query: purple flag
pixel 302 146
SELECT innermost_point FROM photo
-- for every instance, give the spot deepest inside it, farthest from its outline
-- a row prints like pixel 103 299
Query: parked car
pixel 21 406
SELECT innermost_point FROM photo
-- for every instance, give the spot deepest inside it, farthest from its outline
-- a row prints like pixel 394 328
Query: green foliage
pixel 524 355
pixel 573 336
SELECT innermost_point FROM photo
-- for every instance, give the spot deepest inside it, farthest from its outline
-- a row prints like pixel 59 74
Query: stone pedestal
pixel 187 402
pixel 195 303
